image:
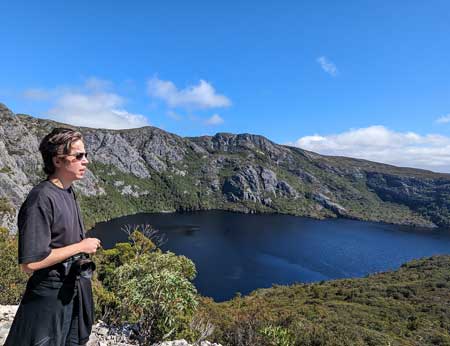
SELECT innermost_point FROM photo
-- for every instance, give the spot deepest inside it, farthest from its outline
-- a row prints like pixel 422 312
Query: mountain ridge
pixel 148 170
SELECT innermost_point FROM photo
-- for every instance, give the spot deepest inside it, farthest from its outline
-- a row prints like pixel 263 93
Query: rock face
pixel 150 170
pixel 253 184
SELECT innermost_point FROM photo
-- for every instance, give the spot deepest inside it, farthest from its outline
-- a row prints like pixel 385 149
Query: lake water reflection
pixel 238 252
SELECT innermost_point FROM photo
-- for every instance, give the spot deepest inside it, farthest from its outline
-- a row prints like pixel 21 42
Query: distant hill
pixel 150 170
pixel 406 307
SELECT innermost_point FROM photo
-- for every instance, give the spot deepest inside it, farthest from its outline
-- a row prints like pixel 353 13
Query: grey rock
pixel 328 203
pixel 183 342
pixel 89 185
pixel 287 189
pixel 253 183
pixel 269 180
pixel 111 148
pixel 7 313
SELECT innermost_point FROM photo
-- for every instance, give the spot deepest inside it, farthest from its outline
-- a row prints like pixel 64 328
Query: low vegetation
pixel 410 306
pixel 138 283
pixel 5 206
pixel 12 279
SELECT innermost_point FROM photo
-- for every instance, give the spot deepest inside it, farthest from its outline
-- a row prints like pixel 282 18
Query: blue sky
pixel 366 79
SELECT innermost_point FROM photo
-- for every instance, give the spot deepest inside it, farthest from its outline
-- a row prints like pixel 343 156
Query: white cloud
pixel 328 66
pixel 214 120
pixel 379 144
pixel 201 96
pixel 37 94
pixel 90 105
pixel 444 119
pixel 100 110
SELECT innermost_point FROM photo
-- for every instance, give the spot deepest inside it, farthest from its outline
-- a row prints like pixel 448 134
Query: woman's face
pixel 72 166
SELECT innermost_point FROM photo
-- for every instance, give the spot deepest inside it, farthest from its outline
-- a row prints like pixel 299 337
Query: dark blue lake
pixel 240 252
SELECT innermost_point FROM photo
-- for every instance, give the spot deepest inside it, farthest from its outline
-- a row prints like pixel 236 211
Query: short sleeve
pixel 34 224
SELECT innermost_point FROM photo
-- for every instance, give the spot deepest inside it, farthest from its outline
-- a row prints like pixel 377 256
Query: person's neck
pixel 60 182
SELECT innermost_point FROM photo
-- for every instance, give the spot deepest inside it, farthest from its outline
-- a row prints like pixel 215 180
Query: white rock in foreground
pixel 183 342
pixel 102 334
pixel 7 313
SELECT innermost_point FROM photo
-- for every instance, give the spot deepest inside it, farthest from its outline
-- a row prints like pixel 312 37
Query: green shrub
pixel 277 336
pixel 154 293
pixel 392 308
pixel 12 279
pixel 139 283
pixel 5 206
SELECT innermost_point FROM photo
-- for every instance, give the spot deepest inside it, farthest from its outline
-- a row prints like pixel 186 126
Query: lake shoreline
pixel 236 252
pixel 417 226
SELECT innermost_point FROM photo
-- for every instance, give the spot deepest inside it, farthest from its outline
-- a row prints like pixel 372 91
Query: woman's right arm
pixel 87 245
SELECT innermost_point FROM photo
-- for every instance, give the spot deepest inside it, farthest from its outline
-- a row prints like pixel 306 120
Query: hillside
pixel 150 170
pixel 407 307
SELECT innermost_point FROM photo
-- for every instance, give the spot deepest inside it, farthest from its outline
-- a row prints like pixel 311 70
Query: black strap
pixel 80 220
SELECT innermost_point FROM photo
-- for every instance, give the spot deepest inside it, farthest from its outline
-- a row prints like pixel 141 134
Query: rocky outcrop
pixel 408 190
pixel 328 203
pixel 150 170
pixel 256 184
pixel 112 149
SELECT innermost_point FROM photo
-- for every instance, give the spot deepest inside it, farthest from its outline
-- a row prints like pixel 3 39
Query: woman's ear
pixel 57 161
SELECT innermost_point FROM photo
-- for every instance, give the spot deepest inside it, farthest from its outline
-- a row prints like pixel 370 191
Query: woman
pixel 57 306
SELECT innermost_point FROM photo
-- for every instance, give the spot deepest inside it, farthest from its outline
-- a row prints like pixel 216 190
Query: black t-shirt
pixel 48 219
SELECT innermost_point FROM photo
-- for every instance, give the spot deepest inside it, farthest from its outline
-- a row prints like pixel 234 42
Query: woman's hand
pixel 89 245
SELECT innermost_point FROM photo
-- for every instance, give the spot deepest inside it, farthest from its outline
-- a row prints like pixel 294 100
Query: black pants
pixel 47 315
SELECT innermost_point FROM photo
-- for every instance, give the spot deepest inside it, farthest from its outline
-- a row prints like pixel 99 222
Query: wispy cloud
pixel 173 115
pixel 91 105
pixel 328 66
pixel 444 119
pixel 38 94
pixel 200 96
pixel 377 143
pixel 97 84
pixel 215 119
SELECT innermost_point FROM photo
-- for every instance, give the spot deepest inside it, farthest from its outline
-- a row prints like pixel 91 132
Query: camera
pixel 79 265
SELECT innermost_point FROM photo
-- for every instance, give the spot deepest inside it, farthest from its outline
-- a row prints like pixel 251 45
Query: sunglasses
pixel 78 156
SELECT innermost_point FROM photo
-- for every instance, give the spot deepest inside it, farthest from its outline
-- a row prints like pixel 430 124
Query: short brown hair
pixel 57 142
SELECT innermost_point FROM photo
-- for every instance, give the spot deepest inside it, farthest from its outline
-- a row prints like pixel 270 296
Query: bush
pixel 161 299
pixel 5 206
pixel 12 279
pixel 277 336
pixel 140 284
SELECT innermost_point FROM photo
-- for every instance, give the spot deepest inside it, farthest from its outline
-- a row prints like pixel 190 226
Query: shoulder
pixel 44 188
pixel 38 203
pixel 41 194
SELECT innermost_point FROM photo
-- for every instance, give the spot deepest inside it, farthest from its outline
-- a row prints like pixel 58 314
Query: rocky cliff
pixel 149 170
